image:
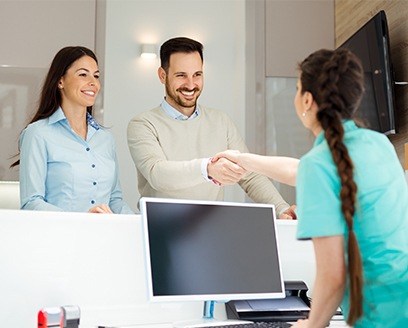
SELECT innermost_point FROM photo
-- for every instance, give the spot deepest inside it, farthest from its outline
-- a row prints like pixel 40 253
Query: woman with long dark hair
pixel 352 199
pixel 67 160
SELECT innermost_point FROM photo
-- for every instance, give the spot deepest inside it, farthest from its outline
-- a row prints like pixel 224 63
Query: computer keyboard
pixel 255 325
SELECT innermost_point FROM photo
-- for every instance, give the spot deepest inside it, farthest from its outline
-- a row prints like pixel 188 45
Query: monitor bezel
pixel 204 297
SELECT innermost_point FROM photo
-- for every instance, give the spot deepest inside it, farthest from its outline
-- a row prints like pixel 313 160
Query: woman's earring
pixel 304 114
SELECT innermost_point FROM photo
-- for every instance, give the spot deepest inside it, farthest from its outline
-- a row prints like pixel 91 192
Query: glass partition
pixel 285 134
pixel 19 92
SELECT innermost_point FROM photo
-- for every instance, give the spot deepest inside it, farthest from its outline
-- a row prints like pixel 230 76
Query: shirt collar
pixel 175 114
pixel 348 125
pixel 91 121
pixel 59 116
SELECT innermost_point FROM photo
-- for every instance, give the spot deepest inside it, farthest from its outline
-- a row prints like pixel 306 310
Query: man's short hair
pixel 179 44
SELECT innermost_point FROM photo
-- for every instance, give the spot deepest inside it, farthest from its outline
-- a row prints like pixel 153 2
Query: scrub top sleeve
pixel 318 200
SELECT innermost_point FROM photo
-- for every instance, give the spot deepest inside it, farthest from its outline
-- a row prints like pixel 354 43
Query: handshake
pixel 230 166
pixel 225 168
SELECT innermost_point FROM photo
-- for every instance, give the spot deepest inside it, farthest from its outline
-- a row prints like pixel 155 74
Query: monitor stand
pixel 208 319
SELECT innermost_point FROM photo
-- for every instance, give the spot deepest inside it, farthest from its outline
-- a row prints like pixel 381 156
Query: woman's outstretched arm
pixel 281 169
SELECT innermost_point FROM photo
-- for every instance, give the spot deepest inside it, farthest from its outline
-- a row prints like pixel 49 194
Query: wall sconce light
pixel 148 51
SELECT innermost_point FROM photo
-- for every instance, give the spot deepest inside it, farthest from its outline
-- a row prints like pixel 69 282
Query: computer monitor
pixel 371 43
pixel 209 251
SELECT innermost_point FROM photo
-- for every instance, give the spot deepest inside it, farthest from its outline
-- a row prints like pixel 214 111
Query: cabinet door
pixel 31 32
pixel 293 30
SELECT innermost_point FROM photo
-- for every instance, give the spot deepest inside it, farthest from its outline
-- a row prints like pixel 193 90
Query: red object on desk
pixel 50 317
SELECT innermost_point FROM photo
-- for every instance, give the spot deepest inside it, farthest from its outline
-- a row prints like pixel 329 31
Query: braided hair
pixel 336 81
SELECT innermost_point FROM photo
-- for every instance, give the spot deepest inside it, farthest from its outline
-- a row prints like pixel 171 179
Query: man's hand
pixel 224 171
pixel 232 155
pixel 289 214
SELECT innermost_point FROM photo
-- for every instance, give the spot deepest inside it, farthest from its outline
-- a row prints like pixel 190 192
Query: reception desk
pixel 96 261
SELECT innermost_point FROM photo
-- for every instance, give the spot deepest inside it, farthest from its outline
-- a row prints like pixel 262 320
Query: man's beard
pixel 182 102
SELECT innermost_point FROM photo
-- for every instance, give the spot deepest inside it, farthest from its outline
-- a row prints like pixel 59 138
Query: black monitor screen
pixel 371 44
pixel 211 250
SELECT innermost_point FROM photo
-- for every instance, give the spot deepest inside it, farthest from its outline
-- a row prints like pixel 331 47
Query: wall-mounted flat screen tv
pixel 371 44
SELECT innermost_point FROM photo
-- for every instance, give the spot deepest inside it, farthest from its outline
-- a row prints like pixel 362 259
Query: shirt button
pixel 88 149
pixel 93 165
pixel 94 183
pixel 92 201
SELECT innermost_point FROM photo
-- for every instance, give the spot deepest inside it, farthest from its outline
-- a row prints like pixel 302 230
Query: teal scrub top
pixel 380 220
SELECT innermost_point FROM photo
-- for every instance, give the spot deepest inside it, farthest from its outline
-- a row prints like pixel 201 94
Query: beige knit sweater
pixel 168 155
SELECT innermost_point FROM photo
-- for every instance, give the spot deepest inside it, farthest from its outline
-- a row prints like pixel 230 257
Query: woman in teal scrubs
pixel 352 199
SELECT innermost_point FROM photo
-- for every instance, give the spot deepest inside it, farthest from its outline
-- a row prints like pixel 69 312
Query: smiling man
pixel 172 145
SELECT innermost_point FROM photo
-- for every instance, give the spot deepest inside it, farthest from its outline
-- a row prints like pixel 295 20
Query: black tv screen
pixel 371 44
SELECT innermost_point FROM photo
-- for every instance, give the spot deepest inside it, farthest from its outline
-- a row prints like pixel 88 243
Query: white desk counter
pixel 332 324
pixel 96 261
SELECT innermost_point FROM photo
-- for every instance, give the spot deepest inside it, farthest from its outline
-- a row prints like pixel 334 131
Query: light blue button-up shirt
pixel 174 113
pixel 60 171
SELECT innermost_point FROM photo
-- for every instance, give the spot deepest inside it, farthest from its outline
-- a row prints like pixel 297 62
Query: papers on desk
pixel 290 303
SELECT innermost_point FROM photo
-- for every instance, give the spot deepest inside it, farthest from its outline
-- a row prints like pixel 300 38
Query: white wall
pixel 131 83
